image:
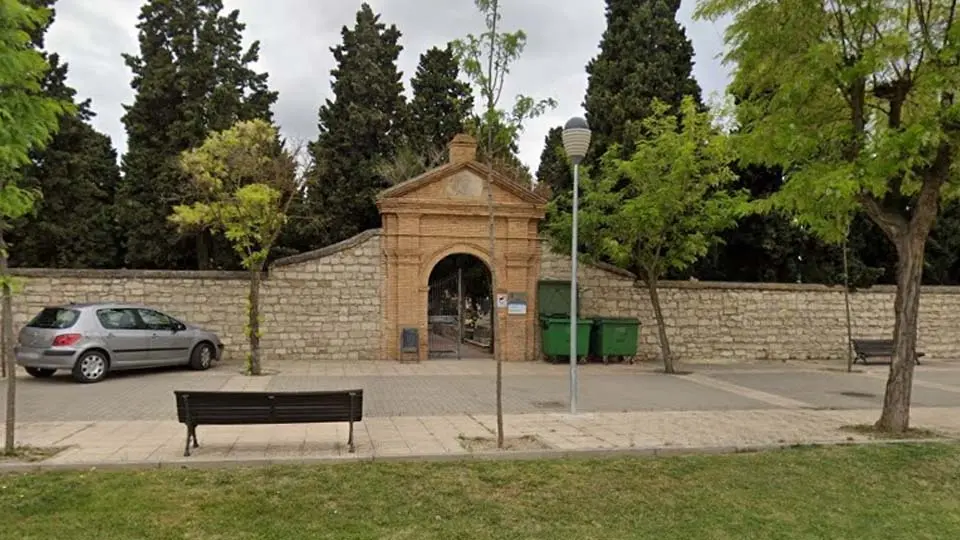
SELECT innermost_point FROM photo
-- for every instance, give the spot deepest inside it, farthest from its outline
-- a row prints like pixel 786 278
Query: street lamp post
pixel 576 140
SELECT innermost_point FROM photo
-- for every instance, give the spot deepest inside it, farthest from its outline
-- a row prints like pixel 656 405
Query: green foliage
pixel 674 203
pixel 72 225
pixel 192 76
pixel 555 170
pixel 644 55
pixel 360 129
pixel 28 119
pixel 243 185
pixel 854 100
pixel 440 108
pixel 441 103
pixel 486 60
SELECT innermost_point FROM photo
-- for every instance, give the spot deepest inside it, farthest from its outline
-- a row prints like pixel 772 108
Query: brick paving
pixel 425 409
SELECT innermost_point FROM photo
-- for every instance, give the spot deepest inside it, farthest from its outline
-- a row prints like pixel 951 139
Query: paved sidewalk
pixel 156 442
pixel 431 409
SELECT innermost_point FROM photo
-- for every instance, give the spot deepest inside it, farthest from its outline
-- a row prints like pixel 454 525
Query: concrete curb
pixel 596 453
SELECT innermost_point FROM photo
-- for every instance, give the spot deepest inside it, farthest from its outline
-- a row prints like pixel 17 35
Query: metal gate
pixel 445 317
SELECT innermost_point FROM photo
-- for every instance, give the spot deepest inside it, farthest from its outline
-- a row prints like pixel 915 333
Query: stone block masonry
pixel 726 322
pixel 327 305
pixel 317 306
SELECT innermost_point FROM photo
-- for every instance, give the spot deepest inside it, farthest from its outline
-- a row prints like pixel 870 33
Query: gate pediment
pixel 461 183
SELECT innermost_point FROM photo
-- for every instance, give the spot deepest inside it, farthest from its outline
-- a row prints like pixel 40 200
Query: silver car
pixel 91 340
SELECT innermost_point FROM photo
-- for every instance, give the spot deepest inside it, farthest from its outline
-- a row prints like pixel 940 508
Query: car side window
pixel 118 319
pixel 155 320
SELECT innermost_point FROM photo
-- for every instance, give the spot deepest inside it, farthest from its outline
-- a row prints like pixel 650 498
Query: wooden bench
pixel 875 348
pixel 240 408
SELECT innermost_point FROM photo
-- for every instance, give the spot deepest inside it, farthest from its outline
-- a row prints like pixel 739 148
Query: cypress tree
pixel 644 54
pixel 192 76
pixel 77 174
pixel 555 171
pixel 441 103
pixel 360 128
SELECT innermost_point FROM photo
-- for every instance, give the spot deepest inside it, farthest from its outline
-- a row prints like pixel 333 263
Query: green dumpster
pixel 555 334
pixel 553 298
pixel 614 337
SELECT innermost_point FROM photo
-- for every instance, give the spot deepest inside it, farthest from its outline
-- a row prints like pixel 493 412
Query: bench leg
pixel 186 448
pixel 350 438
pixel 191 434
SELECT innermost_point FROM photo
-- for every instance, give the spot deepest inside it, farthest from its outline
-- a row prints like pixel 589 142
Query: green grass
pixel 895 491
pixel 874 433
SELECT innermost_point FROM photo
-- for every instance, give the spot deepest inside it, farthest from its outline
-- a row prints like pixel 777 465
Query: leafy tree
pixel 72 225
pixel 856 101
pixel 773 247
pixel 29 121
pixel 555 170
pixel 440 109
pixel 486 59
pixel 192 77
pixel 644 55
pixel 246 185
pixel 359 130
pixel 672 208
pixel 441 103
pixel 502 150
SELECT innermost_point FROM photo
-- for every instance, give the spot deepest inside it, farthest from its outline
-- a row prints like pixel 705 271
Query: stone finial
pixel 463 149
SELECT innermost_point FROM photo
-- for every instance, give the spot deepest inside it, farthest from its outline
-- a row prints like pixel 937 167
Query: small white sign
pixel 501 301
pixel 517 309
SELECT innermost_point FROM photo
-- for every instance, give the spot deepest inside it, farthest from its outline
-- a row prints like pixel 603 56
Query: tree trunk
pixel 494 279
pixel 896 401
pixel 9 444
pixel 665 353
pixel 846 301
pixel 494 334
pixel 204 239
pixel 3 347
pixel 253 323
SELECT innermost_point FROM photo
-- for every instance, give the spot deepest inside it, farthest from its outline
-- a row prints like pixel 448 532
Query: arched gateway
pixel 444 212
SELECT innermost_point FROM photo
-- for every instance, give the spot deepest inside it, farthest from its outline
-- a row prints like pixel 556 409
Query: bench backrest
pixel 873 346
pixel 269 407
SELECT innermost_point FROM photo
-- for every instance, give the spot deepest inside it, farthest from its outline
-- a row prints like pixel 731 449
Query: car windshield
pixel 55 318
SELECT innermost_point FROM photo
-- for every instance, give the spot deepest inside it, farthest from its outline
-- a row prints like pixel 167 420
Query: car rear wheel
pixel 91 367
pixel 40 373
pixel 202 357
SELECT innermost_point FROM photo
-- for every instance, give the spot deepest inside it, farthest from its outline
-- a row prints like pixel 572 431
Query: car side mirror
pixel 179 327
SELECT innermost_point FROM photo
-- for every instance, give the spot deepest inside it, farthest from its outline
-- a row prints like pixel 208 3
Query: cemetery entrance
pixel 460 309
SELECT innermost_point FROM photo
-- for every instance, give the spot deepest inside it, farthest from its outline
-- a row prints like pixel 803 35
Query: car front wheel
pixel 40 373
pixel 91 367
pixel 202 357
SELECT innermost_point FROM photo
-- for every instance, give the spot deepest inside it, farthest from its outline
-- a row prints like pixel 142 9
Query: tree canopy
pixel 855 101
pixel 362 127
pixel 192 76
pixel 644 55
pixel 671 209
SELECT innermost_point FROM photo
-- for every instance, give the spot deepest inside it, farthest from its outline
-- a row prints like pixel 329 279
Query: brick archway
pixel 445 211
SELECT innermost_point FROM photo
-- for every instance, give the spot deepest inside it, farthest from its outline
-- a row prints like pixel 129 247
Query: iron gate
pixel 445 316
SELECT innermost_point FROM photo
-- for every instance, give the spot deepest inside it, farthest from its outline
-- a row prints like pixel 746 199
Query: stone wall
pixel 322 305
pixel 212 300
pixel 723 322
pixel 326 304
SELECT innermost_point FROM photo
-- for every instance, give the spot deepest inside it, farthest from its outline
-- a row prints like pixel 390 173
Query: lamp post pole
pixel 576 141
pixel 573 291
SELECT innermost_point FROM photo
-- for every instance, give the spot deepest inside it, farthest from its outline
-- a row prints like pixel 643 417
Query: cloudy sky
pixel 296 35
